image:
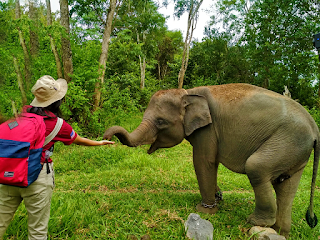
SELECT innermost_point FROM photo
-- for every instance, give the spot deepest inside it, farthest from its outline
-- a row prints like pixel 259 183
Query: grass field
pixel 111 192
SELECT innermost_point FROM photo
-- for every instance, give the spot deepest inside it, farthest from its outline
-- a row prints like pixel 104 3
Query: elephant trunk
pixel 142 135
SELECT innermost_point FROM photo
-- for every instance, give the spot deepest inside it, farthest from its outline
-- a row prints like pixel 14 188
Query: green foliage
pixel 169 46
pixel 121 97
pixel 123 54
pixel 213 62
pixel 315 113
pixel 266 53
pixel 276 37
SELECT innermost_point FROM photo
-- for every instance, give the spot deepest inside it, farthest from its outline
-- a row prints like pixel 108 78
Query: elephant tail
pixel 310 215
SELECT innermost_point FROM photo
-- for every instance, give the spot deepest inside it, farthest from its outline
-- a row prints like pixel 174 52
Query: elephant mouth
pixel 152 148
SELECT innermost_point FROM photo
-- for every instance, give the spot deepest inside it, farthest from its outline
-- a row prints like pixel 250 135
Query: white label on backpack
pixel 8 174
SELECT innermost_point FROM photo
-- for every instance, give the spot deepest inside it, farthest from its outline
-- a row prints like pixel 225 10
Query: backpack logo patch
pixel 12 125
pixel 8 174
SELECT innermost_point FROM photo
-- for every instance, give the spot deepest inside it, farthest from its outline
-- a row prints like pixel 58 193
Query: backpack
pixel 21 143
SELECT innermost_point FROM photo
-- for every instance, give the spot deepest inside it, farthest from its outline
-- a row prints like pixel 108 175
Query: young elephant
pixel 249 130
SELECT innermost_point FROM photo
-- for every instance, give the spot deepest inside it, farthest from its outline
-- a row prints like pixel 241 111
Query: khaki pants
pixel 37 199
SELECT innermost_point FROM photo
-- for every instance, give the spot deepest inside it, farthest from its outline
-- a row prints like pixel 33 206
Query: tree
pixel 278 38
pixel 192 8
pixel 279 42
pixel 65 41
pixel 169 45
pixel 27 61
pixel 34 40
pixel 104 52
pixel 20 80
pixel 214 62
pixel 52 42
pixel 148 25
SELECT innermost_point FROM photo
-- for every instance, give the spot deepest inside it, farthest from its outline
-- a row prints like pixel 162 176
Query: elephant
pixel 249 129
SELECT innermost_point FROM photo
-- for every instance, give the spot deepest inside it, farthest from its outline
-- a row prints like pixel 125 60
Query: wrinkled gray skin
pixel 248 129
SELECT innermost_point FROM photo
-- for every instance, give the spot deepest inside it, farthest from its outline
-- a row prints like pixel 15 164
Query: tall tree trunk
pixel 27 61
pixel 20 80
pixel 65 41
pixel 34 40
pixel 192 22
pixel 104 53
pixel 52 43
pixel 142 60
pixel 159 71
pixel 319 73
pixel 14 110
pixel 142 70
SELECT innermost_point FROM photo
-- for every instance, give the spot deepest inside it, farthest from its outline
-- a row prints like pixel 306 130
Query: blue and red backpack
pixel 21 143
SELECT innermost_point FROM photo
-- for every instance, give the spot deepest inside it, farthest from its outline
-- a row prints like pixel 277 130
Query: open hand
pixel 105 142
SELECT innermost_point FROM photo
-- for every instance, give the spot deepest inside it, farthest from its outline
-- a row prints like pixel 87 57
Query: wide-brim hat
pixel 47 91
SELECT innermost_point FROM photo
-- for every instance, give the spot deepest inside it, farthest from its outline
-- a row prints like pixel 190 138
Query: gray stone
pixel 261 233
pixel 145 237
pixel 198 228
pixel 272 236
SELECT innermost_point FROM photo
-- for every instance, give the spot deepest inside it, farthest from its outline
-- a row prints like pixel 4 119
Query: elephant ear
pixel 197 113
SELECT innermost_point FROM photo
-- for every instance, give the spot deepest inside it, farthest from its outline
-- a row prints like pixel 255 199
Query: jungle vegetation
pixel 115 54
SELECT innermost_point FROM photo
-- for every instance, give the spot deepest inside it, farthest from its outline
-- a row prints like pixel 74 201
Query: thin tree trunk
pixel 159 71
pixel 65 41
pixel 14 109
pixel 319 73
pixel 142 60
pixel 52 43
pixel 142 70
pixel 104 53
pixel 34 40
pixel 192 21
pixel 27 62
pixel 20 80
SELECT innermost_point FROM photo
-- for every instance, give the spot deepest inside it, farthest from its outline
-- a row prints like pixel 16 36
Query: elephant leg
pixel 210 192
pixel 285 192
pixel 206 168
pixel 257 170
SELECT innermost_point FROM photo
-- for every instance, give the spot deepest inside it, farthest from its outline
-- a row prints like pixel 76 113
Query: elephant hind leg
pixel 259 172
pixel 265 210
pixel 285 192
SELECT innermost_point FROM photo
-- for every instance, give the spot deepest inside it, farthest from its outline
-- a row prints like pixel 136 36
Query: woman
pixel 37 197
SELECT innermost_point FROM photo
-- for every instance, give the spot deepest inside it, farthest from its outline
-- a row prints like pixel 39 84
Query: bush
pixel 315 113
pixel 121 97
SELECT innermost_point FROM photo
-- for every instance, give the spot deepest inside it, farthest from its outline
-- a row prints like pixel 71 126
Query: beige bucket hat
pixel 47 91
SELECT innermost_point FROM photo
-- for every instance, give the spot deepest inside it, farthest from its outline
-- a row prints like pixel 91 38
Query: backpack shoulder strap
pixel 54 131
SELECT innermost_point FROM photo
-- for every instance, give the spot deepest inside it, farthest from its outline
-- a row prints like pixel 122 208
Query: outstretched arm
pixel 87 142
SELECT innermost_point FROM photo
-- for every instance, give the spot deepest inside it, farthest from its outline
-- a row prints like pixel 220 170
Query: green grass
pixel 111 192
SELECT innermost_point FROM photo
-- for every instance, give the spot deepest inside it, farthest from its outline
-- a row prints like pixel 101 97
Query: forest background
pixel 115 54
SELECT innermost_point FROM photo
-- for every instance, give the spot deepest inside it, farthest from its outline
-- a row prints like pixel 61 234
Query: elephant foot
pixel 261 221
pixel 204 208
pixel 282 231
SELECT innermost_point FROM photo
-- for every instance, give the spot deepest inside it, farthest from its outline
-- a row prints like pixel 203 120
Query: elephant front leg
pixel 206 170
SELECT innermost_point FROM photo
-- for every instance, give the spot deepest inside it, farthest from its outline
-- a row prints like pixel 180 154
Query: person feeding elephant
pixel 48 94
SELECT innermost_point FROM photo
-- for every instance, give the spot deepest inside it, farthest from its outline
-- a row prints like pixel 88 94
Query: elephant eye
pixel 161 122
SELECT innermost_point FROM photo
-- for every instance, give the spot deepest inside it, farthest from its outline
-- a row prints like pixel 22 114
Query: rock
pixel 198 228
pixel 261 233
pixel 145 237
pixel 272 236
pixel 132 237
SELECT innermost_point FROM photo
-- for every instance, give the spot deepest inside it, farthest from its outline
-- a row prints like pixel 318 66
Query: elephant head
pixel 170 116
